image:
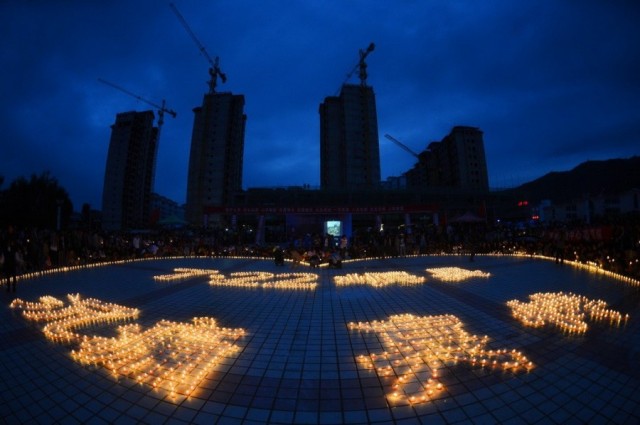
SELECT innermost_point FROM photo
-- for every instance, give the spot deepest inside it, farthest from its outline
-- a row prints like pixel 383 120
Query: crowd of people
pixel 613 245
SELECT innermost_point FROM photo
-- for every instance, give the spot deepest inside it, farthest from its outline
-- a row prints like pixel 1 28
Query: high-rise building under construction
pixel 129 174
pixel 216 157
pixel 349 147
pixel 217 145
pixel 458 161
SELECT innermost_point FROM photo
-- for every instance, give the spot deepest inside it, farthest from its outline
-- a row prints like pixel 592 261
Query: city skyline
pixel 550 85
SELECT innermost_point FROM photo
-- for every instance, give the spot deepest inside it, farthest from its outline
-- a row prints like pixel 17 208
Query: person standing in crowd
pixel 344 243
pixel 53 250
pixel 9 255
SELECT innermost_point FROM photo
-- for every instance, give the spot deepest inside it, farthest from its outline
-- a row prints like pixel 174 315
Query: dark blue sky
pixel 551 83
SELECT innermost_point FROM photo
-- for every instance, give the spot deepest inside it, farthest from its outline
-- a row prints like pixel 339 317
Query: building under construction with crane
pixel 457 162
pixel 448 178
pixel 131 166
pixel 217 144
pixel 349 149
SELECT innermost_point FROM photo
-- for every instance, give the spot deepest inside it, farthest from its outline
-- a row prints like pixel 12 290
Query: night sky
pixel 551 83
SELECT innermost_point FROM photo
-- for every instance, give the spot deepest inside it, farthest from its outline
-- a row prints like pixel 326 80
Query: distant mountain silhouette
pixel 590 178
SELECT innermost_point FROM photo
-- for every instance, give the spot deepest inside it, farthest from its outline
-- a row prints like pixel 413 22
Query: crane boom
pixel 361 65
pixel 402 145
pixel 161 108
pixel 214 70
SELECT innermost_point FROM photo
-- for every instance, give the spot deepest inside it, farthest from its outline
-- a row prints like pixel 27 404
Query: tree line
pixel 35 202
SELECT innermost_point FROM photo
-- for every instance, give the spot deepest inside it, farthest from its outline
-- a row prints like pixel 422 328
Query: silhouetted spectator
pixel 278 256
pixel 335 260
pixel 10 265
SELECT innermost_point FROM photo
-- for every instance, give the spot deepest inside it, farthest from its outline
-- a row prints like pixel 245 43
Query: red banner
pixel 377 209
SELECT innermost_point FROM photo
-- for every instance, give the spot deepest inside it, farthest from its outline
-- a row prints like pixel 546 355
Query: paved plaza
pixel 382 341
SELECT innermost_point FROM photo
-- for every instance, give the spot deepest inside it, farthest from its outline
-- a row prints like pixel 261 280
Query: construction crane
pixel 214 70
pixel 402 145
pixel 161 108
pixel 361 65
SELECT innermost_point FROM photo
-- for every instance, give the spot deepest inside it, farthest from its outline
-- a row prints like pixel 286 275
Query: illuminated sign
pixel 568 312
pixel 171 356
pixel 252 279
pixel 378 279
pixel 456 274
pixel 418 349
